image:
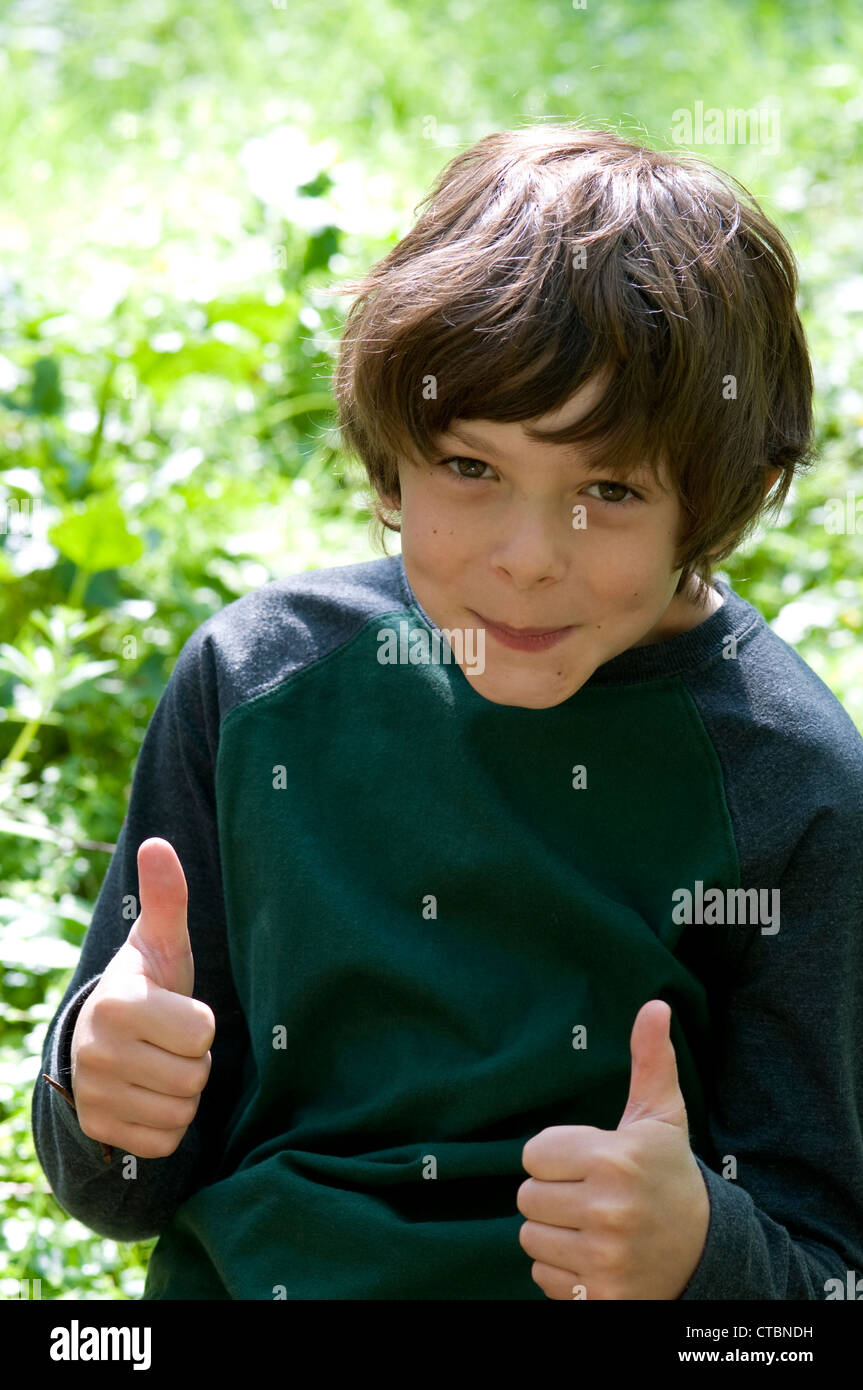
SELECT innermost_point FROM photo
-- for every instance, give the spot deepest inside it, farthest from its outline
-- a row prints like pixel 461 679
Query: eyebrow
pixel 474 441
pixel 468 437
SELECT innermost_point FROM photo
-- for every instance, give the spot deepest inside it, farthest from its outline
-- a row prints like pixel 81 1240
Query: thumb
pixel 160 933
pixel 654 1088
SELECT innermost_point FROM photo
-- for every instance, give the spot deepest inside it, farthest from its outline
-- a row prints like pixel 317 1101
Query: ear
pixel 772 475
pixel 392 500
pixel 770 478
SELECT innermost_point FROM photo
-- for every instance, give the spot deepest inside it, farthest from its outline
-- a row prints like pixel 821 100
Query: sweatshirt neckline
pixel 736 618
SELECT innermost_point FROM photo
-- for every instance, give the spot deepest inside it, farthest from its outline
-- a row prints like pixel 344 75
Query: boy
pixel 444 907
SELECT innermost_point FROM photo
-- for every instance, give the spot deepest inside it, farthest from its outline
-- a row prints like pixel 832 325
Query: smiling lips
pixel 526 639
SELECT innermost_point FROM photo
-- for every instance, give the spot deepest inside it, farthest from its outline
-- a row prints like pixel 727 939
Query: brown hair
pixel 548 253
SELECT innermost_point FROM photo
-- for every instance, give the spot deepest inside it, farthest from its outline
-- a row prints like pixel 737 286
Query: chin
pixel 524 695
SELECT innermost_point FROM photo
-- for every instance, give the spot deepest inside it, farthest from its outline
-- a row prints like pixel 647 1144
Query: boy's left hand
pixel 622 1213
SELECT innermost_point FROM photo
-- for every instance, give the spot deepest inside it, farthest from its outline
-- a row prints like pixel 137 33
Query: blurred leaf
pixel 88 671
pixel 267 321
pixel 161 370
pixel 46 395
pixel 95 535
pixel 320 248
pixel 17 664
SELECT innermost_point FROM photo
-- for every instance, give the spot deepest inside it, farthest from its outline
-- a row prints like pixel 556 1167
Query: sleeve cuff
pixel 60 1077
pixel 725 1270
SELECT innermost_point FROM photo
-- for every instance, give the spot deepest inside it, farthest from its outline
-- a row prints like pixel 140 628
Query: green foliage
pixel 184 198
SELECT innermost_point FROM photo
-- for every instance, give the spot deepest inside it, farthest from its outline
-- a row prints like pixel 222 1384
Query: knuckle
pixel 155 1145
pixel 188 1088
pixel 168 1143
pixel 524 1196
pixel 94 1128
pixel 186 1110
pixel 158 1143
pixel 176 1112
pixel 202 1030
pixel 160 1112
pixel 615 1216
pixel 89 1074
pixel 525 1237
pixel 201 1078
pixel 107 1010
pixel 87 1053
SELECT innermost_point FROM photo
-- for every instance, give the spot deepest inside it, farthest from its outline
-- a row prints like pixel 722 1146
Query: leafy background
pixel 184 184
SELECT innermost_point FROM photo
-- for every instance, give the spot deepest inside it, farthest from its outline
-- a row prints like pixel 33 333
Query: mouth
pixel 525 638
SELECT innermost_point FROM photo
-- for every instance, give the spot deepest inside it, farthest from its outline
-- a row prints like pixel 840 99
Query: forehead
pixel 579 404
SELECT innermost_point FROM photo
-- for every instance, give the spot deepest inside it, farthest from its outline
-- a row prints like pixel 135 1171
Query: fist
pixel 140 1048
pixel 624 1213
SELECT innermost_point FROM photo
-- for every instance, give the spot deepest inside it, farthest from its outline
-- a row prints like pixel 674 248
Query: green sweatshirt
pixel 440 917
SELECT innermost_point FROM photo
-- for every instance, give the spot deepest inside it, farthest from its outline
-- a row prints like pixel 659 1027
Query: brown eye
pixel 459 459
pixel 618 490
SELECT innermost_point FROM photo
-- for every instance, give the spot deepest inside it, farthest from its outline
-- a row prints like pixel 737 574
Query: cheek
pixel 430 555
pixel 432 535
pixel 626 567
pixel 630 576
pixel 427 540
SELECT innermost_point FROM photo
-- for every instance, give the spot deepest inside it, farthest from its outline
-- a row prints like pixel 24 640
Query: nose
pixel 534 547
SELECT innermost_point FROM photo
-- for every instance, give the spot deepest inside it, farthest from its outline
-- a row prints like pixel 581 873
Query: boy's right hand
pixel 140 1048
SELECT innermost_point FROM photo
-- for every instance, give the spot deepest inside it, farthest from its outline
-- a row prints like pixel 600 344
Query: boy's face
pixel 493 542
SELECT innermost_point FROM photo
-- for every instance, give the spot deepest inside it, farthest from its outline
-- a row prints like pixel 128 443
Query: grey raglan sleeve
pixel 787 1084
pixel 173 797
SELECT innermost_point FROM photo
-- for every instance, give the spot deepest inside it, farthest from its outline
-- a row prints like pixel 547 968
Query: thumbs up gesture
pixel 140 1047
pixel 624 1213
